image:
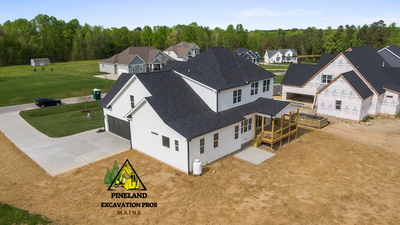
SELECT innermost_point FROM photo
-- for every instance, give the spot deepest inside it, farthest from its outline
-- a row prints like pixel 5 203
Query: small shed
pixel 40 62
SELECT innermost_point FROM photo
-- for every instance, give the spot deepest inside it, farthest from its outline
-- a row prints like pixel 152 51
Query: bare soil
pixel 324 177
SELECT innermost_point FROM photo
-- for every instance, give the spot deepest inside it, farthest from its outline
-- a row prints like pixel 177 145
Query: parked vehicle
pixel 42 102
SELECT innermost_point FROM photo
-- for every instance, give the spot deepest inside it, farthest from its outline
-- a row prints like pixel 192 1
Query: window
pixel 165 141
pixel 246 125
pixel 215 140
pixel 338 105
pixel 141 67
pixel 254 88
pixel 326 78
pixel 103 65
pixel 389 96
pixel 266 85
pixel 154 133
pixel 169 52
pixel 202 146
pixel 176 146
pixel 133 69
pixel 132 102
pixel 237 95
pixel 236 132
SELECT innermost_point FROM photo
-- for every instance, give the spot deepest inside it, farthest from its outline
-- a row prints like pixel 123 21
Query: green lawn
pixel 275 66
pixel 20 84
pixel 12 215
pixel 279 79
pixel 64 120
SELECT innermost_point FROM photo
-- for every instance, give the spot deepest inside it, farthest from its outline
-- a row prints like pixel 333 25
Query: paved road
pixel 17 108
pixel 58 155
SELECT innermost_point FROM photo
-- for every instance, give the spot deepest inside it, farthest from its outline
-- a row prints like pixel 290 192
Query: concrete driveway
pixel 59 155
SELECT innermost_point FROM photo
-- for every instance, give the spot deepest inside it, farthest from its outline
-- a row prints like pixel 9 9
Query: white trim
pixel 196 82
pixel 136 106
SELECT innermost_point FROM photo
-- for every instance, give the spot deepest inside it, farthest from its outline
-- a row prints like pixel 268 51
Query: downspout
pixel 188 156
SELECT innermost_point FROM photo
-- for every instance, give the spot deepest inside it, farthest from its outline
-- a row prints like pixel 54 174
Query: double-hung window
pixel 266 85
pixel 237 95
pixel 246 125
pixel 176 146
pixel 132 101
pixel 338 105
pixel 326 79
pixel 165 141
pixel 202 146
pixel 254 88
pixel 216 140
pixel 237 132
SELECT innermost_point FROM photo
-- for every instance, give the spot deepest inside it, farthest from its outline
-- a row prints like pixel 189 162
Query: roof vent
pixel 188 70
pixel 383 64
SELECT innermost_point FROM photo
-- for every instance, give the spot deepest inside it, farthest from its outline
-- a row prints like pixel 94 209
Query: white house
pixel 183 51
pixel 204 109
pixel 135 60
pixel 40 62
pixel 281 56
pixel 351 84
pixel 248 54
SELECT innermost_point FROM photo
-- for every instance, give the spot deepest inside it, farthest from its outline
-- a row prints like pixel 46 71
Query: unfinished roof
pixel 183 110
pixel 148 54
pixel 182 48
pixel 42 59
pixel 220 68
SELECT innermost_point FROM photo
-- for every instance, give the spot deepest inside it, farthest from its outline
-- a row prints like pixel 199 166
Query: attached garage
pixel 119 127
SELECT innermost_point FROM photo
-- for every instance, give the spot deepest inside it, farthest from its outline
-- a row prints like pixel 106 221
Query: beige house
pixel 135 60
pixel 183 51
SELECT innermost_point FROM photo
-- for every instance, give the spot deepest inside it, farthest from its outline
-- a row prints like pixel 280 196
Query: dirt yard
pixel 346 173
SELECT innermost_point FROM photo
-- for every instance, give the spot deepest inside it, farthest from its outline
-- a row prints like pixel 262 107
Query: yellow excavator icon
pixel 130 183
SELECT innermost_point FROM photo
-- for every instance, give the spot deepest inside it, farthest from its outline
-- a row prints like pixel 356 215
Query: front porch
pixel 281 127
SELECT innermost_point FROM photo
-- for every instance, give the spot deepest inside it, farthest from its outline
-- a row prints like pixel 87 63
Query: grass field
pixel 20 84
pixel 275 66
pixel 12 215
pixel 64 120
pixel 279 79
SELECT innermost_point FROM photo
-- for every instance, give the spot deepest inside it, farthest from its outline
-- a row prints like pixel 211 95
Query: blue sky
pixel 256 14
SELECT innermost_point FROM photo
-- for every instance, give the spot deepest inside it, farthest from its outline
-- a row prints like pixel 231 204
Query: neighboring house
pixel 246 53
pixel 183 51
pixel 351 84
pixel 206 108
pixel 391 54
pixel 281 56
pixel 40 62
pixel 135 60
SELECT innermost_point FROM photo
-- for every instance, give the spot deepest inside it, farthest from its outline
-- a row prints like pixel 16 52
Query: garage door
pixel 119 127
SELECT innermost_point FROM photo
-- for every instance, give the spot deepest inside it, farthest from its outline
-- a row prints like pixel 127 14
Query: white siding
pixel 173 55
pixel 225 97
pixel 390 105
pixel 145 121
pixel 122 104
pixel 205 93
pixel 226 145
pixel 351 107
pixel 107 68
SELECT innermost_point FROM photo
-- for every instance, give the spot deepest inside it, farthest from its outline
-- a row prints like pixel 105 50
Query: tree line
pixel 60 41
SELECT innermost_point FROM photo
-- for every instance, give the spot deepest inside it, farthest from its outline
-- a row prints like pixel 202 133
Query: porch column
pixel 290 120
pixel 262 126
pixel 297 123
pixel 282 121
pixel 272 135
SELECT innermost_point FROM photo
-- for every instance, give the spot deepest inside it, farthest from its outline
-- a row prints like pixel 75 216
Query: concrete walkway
pixel 254 155
pixel 58 155
pixel 109 76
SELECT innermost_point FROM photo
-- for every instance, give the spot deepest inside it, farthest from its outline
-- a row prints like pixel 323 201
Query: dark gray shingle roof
pixel 326 58
pixel 241 50
pixel 220 68
pixel 298 74
pixel 359 86
pixel 392 87
pixel 119 83
pixel 184 111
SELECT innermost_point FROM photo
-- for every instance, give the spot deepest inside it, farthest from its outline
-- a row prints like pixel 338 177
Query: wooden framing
pixel 273 136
